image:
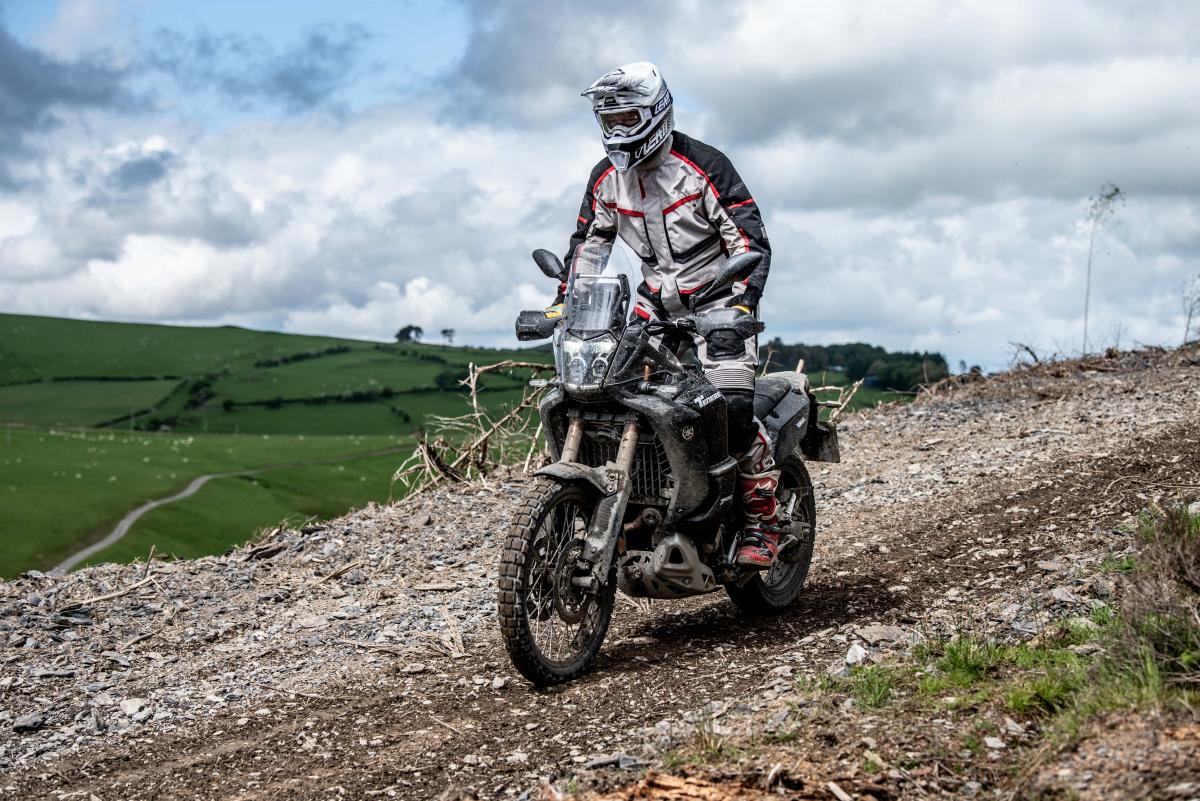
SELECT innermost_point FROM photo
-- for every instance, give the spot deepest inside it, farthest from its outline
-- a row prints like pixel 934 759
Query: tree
pixel 1101 208
pixel 410 333
pixel 448 335
pixel 1190 293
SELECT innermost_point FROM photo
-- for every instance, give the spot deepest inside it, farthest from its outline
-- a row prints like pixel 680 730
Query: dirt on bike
pixel 641 494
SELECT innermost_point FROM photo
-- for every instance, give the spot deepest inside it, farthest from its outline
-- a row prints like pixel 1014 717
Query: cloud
pixel 248 71
pixel 923 174
pixel 37 89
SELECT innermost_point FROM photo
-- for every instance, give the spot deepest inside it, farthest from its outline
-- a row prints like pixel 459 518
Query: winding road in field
pixel 126 522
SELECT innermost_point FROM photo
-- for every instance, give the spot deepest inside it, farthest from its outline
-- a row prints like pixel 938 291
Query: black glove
pixel 747 301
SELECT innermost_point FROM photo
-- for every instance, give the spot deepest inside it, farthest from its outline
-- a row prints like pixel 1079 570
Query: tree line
pixel 899 371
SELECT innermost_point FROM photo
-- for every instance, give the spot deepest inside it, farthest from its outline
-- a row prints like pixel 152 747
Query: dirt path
pixel 984 508
pixel 414 736
pixel 126 523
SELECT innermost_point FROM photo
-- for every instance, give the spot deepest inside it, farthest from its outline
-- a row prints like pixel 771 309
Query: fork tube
pixel 570 451
pixel 628 447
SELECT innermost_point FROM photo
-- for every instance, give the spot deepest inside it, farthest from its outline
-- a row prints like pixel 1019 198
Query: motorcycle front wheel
pixel 772 590
pixel 552 629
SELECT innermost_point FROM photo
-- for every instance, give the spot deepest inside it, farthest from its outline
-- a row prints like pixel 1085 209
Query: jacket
pixel 683 212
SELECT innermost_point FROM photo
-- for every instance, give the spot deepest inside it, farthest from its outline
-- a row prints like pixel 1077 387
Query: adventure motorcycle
pixel 642 495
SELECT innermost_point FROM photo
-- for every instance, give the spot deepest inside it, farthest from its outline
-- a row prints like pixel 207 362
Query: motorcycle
pixel 641 493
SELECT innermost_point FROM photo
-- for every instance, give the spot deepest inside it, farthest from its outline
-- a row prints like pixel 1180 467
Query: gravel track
pixel 361 657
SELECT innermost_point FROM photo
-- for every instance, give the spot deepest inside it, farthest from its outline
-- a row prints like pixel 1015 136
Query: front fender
pixel 569 472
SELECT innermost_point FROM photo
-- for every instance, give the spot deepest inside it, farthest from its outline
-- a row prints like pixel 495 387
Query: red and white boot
pixel 760 538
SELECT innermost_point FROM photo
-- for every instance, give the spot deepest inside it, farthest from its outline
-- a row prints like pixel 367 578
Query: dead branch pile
pixel 473 445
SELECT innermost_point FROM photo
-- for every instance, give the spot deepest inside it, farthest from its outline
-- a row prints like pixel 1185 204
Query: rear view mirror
pixel 550 264
pixel 534 325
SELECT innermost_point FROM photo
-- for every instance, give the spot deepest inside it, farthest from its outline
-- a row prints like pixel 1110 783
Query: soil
pixel 987 506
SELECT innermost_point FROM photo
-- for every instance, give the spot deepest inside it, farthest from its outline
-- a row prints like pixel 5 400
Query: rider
pixel 681 207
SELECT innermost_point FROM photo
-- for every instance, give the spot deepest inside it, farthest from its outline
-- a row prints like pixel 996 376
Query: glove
pixel 554 311
pixel 747 301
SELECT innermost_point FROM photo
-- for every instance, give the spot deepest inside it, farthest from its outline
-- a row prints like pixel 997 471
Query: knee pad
pixel 739 406
pixel 725 344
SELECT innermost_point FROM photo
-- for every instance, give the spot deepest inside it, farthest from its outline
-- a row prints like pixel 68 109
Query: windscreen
pixel 597 303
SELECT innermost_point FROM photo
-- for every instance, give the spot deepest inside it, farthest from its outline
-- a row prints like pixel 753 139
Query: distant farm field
pixel 176 403
pixel 59 489
pixel 197 526
pixel 79 403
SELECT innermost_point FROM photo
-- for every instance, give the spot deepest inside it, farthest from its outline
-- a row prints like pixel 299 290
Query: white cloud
pixel 923 172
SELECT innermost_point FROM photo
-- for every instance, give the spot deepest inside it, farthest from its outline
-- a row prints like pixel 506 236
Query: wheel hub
pixel 569 601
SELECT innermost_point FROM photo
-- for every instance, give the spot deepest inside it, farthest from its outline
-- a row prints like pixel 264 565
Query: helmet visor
pixel 621 121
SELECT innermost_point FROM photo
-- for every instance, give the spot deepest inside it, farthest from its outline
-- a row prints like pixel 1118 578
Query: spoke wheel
pixel 551 628
pixel 775 589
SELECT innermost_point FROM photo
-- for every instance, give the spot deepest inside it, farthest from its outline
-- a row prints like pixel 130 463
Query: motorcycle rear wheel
pixel 771 591
pixel 551 629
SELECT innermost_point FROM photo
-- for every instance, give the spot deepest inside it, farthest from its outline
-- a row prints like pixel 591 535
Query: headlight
pixel 586 361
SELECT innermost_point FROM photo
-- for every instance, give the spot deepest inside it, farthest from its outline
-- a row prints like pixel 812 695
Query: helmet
pixel 633 106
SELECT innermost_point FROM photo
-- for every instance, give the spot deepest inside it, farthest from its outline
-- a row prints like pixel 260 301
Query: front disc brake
pixel 569 601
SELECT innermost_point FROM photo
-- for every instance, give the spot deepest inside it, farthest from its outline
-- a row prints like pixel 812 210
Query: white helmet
pixel 633 106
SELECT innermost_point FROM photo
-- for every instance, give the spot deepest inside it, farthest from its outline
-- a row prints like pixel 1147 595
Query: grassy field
pixel 197 526
pixel 79 403
pixel 220 379
pixel 61 488
pixel 183 402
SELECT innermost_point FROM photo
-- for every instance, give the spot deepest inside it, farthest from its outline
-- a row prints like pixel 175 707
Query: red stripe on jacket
pixel 680 202
pixel 600 180
pixel 626 212
pixel 695 167
pixel 743 203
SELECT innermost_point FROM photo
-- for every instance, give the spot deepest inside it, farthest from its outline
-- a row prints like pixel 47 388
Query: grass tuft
pixel 872 685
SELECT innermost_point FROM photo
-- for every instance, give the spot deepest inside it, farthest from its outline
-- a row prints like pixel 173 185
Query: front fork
pixel 600 543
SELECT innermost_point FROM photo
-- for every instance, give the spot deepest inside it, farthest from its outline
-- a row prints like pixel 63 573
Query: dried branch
pixel 845 401
pixel 485 441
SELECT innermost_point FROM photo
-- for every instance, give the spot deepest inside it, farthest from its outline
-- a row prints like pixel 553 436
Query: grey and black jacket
pixel 683 212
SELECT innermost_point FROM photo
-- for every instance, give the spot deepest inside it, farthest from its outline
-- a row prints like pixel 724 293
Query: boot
pixel 760 538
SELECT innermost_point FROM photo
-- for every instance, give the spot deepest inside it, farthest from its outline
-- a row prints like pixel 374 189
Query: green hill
pixel 102 417
pixel 227 379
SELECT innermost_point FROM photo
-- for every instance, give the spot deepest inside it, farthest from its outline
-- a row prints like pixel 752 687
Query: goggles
pixel 623 121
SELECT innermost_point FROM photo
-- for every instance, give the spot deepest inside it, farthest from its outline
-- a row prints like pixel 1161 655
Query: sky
pixel 924 169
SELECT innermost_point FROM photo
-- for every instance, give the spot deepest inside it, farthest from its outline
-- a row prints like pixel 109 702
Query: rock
pixel 970 789
pixel 1048 566
pixel 131 706
pixel 874 635
pixel 499 683
pixel 1064 595
pixel 1194 509
pixel 856 655
pixel 994 743
pixel 116 657
pixel 517 758
pixel 415 667
pixel 47 673
pixel 28 723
